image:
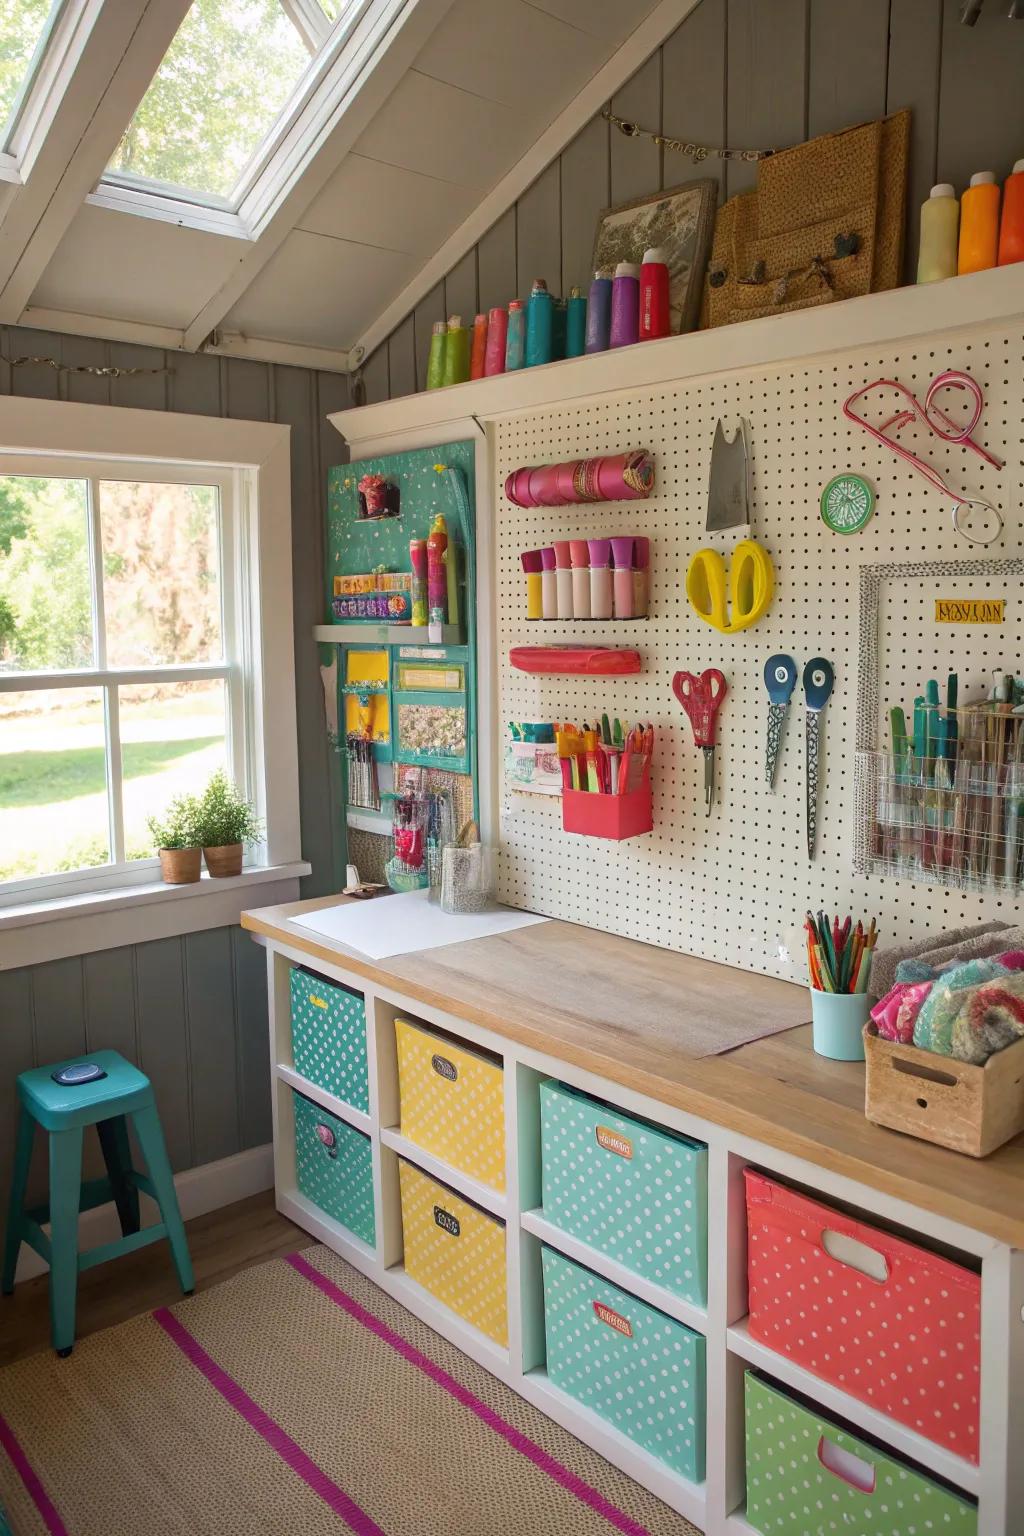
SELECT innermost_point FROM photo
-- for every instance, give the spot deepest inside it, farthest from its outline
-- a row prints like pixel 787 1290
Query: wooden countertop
pixel 775 1090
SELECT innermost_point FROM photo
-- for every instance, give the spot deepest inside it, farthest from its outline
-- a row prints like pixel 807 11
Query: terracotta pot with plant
pixel 176 835
pixel 226 822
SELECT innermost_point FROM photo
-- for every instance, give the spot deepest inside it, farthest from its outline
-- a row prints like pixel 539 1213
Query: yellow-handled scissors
pixel 751 583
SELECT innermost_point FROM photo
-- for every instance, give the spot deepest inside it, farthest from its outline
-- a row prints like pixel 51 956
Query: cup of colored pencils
pixel 839 961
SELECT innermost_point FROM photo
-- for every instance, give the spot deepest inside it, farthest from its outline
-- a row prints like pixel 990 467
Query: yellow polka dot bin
pixel 806 1474
pixel 329 1037
pixel 635 1366
pixel 629 1188
pixel 455 1251
pixel 453 1102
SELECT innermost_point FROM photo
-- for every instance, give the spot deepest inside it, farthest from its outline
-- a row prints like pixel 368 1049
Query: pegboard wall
pixel 734 887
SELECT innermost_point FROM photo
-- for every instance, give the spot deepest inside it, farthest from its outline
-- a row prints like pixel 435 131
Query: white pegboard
pixel 733 887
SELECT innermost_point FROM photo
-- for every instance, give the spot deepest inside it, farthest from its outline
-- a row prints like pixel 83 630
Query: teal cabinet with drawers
pixel 334 1167
pixel 329 1037
pixel 628 1188
pixel 639 1369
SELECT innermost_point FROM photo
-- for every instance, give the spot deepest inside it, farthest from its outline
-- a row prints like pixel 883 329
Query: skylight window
pixel 232 69
pixel 25 27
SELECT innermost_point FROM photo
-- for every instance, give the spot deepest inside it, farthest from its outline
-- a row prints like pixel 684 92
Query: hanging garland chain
pixel 696 152
pixel 102 373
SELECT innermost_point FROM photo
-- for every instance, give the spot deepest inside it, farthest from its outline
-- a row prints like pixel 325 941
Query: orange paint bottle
pixel 979 224
pixel 1011 230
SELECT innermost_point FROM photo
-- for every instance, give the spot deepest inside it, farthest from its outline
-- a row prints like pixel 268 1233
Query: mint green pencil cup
pixel 838 1019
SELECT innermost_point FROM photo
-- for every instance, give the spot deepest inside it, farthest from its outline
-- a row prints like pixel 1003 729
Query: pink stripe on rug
pixel 277 1438
pixel 25 1470
pixel 508 1432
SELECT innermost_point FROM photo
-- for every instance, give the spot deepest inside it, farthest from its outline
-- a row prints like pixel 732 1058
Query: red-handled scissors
pixel 701 698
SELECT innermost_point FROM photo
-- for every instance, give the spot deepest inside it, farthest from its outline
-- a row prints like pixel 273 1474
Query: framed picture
pixel 681 221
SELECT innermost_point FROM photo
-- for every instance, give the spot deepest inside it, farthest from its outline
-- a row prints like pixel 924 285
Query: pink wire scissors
pixel 938 422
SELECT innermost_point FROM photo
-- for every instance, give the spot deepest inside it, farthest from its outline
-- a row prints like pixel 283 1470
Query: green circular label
pixel 847 503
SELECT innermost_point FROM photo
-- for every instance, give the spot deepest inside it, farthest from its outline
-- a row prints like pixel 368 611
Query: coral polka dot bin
pixel 453 1102
pixel 455 1251
pixel 805 1474
pixel 329 1037
pixel 907 1342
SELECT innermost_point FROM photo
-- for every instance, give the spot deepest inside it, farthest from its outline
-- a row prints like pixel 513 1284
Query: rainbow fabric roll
pixel 614 477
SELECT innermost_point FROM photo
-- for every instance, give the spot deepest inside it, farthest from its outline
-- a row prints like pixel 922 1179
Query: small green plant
pixel 224 816
pixel 178 827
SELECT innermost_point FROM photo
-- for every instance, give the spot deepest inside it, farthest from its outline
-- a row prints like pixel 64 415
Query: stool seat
pixel 122 1096
pixel 57 1107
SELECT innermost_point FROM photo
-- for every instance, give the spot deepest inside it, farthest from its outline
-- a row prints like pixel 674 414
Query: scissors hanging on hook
pixel 936 420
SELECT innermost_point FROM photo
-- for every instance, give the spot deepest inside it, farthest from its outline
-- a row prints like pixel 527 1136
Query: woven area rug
pixel 296 1397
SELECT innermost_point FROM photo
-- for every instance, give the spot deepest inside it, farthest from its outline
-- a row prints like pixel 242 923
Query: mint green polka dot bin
pixel 634 1191
pixel 807 1477
pixel 334 1167
pixel 329 1037
pixel 639 1369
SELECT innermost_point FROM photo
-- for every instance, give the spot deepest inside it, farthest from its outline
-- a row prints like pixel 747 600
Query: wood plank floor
pixel 221 1242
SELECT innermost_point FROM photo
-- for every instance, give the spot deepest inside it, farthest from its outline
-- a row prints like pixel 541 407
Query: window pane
pixel 53 782
pixel 45 602
pixel 173 737
pixel 24 28
pixel 332 8
pixel 224 80
pixel 161 573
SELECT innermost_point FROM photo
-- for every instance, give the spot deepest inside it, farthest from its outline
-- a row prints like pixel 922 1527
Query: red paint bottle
pixel 654 307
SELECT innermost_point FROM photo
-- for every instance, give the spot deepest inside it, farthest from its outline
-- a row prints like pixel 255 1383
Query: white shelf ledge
pixel 462 1183
pixel 877 318
pixel 328 1101
pixel 357 633
pixel 893 1435
pixel 626 1279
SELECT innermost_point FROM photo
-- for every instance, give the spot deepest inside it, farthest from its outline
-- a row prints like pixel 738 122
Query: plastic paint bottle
pixel 515 344
pixel 625 326
pixel 599 313
pixel 641 577
pixel 563 578
pixel 548 583
pixel 559 325
pixel 539 324
pixel 622 578
pixel 435 361
pixel 497 336
pixel 940 222
pixel 579 554
pixel 533 570
pixel 576 324
pixel 418 561
pixel 600 579
pixel 437 579
pixel 478 349
pixel 456 352
pixel 1011 230
pixel 654 309
pixel 979 224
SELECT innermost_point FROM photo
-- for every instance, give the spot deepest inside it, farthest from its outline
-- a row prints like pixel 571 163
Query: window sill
pixel 37 931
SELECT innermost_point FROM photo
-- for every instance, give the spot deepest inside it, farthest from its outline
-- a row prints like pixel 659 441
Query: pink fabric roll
pixel 613 477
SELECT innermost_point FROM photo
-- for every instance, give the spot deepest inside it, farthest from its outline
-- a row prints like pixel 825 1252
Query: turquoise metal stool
pixel 106 1091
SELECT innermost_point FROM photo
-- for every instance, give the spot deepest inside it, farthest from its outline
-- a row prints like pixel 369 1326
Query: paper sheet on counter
pixel 398 925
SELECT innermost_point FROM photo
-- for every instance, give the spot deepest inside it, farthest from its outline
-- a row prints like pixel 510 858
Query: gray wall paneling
pixel 539 231
pixel 981 93
pixel 460 291
pixel 915 57
pixel 584 191
pixel 191 1011
pixel 497 270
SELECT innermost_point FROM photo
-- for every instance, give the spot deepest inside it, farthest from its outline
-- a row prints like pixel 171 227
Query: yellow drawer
pixel 453 1102
pixel 455 1251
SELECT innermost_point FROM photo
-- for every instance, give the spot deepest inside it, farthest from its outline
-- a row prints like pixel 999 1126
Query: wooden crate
pixel 952 1103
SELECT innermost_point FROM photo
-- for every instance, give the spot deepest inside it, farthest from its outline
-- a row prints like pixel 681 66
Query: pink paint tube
pixel 600 579
pixel 579 554
pixel 548 584
pixel 497 337
pixel 563 578
pixel 418 561
pixel 437 578
pixel 622 578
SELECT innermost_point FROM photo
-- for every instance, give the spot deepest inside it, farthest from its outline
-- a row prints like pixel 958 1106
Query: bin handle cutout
pixel 930 1075
pixel 849 1468
pixel 855 1255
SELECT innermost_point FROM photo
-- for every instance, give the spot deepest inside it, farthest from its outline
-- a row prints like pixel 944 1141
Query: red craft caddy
pixel 908 1344
pixel 612 816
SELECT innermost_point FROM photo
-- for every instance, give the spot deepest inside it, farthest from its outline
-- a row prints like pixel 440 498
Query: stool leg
pixel 65 1194
pixel 117 1155
pixel 151 1140
pixel 19 1179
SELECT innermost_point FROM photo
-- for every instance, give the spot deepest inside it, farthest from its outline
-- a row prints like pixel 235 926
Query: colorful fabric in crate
pixel 933 1027
pixel 991 1018
pixel 894 1015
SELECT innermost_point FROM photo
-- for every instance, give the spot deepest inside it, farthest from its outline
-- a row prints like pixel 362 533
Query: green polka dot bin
pixel 642 1371
pixel 807 1477
pixel 334 1167
pixel 628 1188
pixel 329 1037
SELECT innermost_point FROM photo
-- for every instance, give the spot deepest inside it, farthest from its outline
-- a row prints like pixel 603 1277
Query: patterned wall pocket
pixel 455 1251
pixel 453 1102
pixel 631 1189
pixel 637 1368
pixel 334 1167
pixel 329 1037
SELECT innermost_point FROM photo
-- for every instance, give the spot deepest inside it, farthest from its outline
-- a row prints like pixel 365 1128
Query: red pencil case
pixel 588 661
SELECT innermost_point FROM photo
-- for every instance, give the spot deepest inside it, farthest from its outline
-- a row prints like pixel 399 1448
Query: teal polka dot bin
pixel 628 1188
pixel 329 1037
pixel 637 1368
pixel 334 1167
pixel 807 1477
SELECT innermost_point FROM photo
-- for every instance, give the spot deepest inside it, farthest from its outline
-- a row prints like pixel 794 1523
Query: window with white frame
pixel 126 621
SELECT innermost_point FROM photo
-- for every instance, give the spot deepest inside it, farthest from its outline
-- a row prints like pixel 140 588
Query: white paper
pixel 398 925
